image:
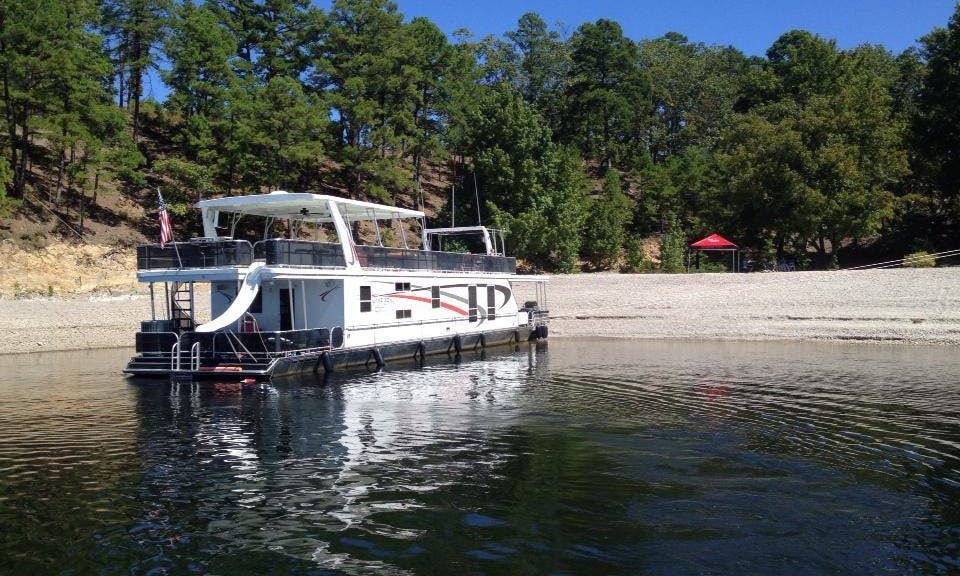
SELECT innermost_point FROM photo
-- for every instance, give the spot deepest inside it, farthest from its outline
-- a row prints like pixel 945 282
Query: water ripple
pixel 597 456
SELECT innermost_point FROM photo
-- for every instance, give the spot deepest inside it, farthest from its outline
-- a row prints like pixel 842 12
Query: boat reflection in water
pixel 329 470
pixel 592 456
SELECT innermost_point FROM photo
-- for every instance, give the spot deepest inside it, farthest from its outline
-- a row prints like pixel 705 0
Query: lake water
pixel 585 457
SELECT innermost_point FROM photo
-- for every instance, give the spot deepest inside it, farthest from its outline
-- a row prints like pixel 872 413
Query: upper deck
pixel 222 253
pixel 302 210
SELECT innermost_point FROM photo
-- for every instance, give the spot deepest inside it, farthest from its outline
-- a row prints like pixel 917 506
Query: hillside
pixel 87 243
pixel 120 215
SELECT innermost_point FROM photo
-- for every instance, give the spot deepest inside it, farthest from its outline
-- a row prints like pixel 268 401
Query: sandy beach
pixel 902 305
pixel 897 305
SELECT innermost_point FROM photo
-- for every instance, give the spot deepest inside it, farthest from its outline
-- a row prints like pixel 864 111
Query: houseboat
pixel 311 295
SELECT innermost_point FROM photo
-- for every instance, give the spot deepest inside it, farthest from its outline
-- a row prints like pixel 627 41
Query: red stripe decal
pixel 451 307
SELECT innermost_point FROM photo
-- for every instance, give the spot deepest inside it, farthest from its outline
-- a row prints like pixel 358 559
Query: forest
pixel 581 143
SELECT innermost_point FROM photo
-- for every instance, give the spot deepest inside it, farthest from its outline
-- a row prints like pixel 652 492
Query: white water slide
pixel 245 296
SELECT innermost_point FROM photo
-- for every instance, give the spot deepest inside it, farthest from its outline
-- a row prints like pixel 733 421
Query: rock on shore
pixel 899 305
pixel 903 305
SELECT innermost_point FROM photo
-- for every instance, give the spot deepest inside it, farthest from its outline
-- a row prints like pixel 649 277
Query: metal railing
pixel 260 347
pixel 200 253
pixel 155 343
pixel 538 317
pixel 281 252
pixel 407 259
pixel 266 345
pixel 195 357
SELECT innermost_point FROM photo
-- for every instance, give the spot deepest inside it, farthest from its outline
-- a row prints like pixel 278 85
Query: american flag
pixel 166 230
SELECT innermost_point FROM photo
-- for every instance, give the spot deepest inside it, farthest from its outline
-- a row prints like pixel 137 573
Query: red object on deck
pixel 713 241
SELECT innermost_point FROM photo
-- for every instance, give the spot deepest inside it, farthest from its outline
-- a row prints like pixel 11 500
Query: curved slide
pixel 248 291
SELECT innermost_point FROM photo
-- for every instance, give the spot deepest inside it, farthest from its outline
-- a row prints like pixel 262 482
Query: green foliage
pixel 6 175
pixel 52 70
pixel 547 230
pixel 131 30
pixel 673 246
pixel 680 186
pixel 605 92
pixel 200 77
pixel 6 178
pixel 362 65
pixel 806 147
pixel 455 245
pixel 935 133
pixel 693 89
pixel 817 164
pixel 605 230
pixel 636 259
pixel 508 141
pixel 768 252
pixel 919 260
pixel 185 183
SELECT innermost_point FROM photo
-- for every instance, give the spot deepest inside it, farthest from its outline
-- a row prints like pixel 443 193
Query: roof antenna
pixel 476 194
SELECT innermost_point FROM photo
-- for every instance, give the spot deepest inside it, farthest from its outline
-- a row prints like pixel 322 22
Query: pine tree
pixel 605 230
pixel 53 76
pixel 133 29
pixel 358 71
pixel 672 249
pixel 604 92
pixel 200 78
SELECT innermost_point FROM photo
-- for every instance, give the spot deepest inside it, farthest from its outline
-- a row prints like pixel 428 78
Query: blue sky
pixel 750 25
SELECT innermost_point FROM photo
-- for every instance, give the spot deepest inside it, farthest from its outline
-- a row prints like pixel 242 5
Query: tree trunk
pixel 416 177
pixel 60 165
pixel 121 66
pixel 136 83
pixel 20 176
pixel 11 123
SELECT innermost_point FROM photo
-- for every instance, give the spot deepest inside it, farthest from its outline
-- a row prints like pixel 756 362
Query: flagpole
pixel 172 237
pixel 175 249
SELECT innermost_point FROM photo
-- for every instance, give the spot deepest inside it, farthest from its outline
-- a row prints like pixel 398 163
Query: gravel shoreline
pixel 920 306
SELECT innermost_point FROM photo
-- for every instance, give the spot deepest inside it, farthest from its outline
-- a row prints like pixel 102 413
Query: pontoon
pixel 317 298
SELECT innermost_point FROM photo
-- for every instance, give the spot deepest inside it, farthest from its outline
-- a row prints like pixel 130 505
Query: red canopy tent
pixel 717 243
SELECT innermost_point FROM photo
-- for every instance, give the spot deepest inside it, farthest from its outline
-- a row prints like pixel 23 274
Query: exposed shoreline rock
pixel 913 306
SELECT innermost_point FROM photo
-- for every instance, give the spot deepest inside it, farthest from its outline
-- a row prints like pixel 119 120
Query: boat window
pixel 403 314
pixel 365 299
pixel 435 296
pixel 256 307
pixel 491 302
pixel 402 287
pixel 287 305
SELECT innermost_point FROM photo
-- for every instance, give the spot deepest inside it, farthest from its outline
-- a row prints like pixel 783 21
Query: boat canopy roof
pixel 305 206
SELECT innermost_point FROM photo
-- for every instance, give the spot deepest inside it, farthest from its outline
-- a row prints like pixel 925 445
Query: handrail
pixel 175 355
pixel 195 357
pixel 240 342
